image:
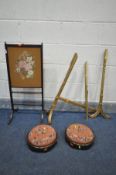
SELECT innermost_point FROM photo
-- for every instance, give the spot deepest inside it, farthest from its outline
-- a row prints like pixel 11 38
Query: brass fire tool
pixel 58 97
pixel 99 110
pixel 86 89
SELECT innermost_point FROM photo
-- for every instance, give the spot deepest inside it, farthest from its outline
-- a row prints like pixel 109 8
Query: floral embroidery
pixel 25 65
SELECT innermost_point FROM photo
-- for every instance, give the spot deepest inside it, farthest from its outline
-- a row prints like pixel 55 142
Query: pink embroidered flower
pixel 21 64
pixel 28 67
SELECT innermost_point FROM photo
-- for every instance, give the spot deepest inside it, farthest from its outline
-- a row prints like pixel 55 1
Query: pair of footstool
pixel 43 137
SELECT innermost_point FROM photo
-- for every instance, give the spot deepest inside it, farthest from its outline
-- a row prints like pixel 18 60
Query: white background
pixel 64 27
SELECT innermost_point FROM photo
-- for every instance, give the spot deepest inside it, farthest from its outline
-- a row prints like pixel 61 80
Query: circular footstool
pixel 42 137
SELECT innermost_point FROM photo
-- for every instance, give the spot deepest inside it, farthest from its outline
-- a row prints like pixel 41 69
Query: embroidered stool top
pixel 79 134
pixel 42 136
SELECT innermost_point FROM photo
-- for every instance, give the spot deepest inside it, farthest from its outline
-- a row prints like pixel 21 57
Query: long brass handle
pixel 86 89
pixel 103 75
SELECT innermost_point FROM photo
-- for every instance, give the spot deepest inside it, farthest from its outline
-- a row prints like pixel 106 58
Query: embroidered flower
pixel 25 65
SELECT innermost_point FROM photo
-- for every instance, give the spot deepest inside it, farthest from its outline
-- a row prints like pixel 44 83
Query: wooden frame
pixel 25 70
pixel 66 100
